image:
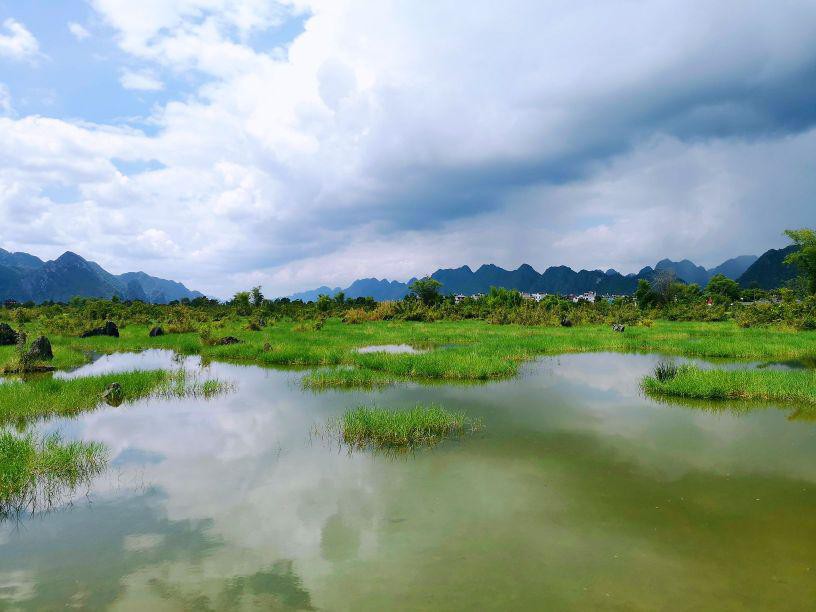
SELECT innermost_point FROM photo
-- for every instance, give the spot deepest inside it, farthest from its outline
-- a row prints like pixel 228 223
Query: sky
pixel 297 143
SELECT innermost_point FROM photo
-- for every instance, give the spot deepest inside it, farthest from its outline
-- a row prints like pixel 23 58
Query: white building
pixel 589 296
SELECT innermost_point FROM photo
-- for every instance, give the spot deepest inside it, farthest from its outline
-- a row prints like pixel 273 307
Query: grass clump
pixel 35 473
pixel 366 426
pixel 43 397
pixel 691 382
pixel 665 371
pixel 346 378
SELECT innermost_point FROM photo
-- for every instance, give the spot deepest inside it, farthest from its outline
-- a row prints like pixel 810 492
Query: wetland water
pixel 579 494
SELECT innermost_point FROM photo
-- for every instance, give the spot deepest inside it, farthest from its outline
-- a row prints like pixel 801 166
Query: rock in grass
pixel 226 340
pixel 8 336
pixel 618 327
pixel 113 394
pixel 156 331
pixel 40 350
pixel 108 329
pixel 566 322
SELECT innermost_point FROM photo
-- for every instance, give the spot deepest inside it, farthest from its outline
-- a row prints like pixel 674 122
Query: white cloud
pixel 143 80
pixel 392 138
pixel 5 100
pixel 17 43
pixel 78 30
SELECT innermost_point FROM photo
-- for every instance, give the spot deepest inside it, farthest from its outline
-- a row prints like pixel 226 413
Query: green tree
pixel 426 290
pixel 805 258
pixel 340 298
pixel 324 302
pixel 499 296
pixel 644 296
pixel 722 288
pixel 256 297
pixel 241 303
pixel 665 286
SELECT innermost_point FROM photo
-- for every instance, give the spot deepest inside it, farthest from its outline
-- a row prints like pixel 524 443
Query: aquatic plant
pixel 798 386
pixel 665 370
pixel 41 397
pixel 369 426
pixel 36 473
pixel 345 378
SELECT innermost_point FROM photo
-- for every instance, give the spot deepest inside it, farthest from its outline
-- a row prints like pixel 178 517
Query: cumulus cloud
pixel 78 30
pixel 16 42
pixel 143 80
pixel 392 138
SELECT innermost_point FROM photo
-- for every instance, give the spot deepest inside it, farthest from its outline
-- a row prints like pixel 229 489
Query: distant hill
pixel 770 271
pixel 558 279
pixel 463 280
pixel 24 277
pixel 735 267
pixel 686 270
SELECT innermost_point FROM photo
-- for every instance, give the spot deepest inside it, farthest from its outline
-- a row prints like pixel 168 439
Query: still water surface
pixel 580 494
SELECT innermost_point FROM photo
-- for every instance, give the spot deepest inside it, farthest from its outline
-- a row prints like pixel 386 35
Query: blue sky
pixel 228 143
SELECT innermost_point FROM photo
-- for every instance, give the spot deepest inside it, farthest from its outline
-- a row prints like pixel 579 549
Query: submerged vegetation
pixel 42 397
pixel 35 473
pixel 378 428
pixel 691 382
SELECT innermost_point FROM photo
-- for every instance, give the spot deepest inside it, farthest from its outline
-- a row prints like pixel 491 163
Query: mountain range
pixel 767 272
pixel 24 277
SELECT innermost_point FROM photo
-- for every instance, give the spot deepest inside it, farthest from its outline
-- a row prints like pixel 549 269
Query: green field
pixel 453 350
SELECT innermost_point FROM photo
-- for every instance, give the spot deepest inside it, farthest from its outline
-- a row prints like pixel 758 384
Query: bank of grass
pixel 35 472
pixel 48 396
pixel 474 350
pixel 372 427
pixel 689 382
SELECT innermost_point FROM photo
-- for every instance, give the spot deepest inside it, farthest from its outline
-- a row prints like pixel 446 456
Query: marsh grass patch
pixel 37 473
pixel 371 427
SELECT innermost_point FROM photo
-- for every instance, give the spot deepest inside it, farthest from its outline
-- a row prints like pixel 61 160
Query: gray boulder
pixel 40 350
pixel 8 336
pixel 108 329
pixel 227 340
pixel 156 331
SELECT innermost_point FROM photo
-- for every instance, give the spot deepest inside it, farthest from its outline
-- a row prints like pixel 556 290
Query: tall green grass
pixel 34 473
pixel 366 426
pixel 798 386
pixel 21 401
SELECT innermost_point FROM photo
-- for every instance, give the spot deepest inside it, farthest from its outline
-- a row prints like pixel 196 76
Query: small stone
pixel 113 394
pixel 227 340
